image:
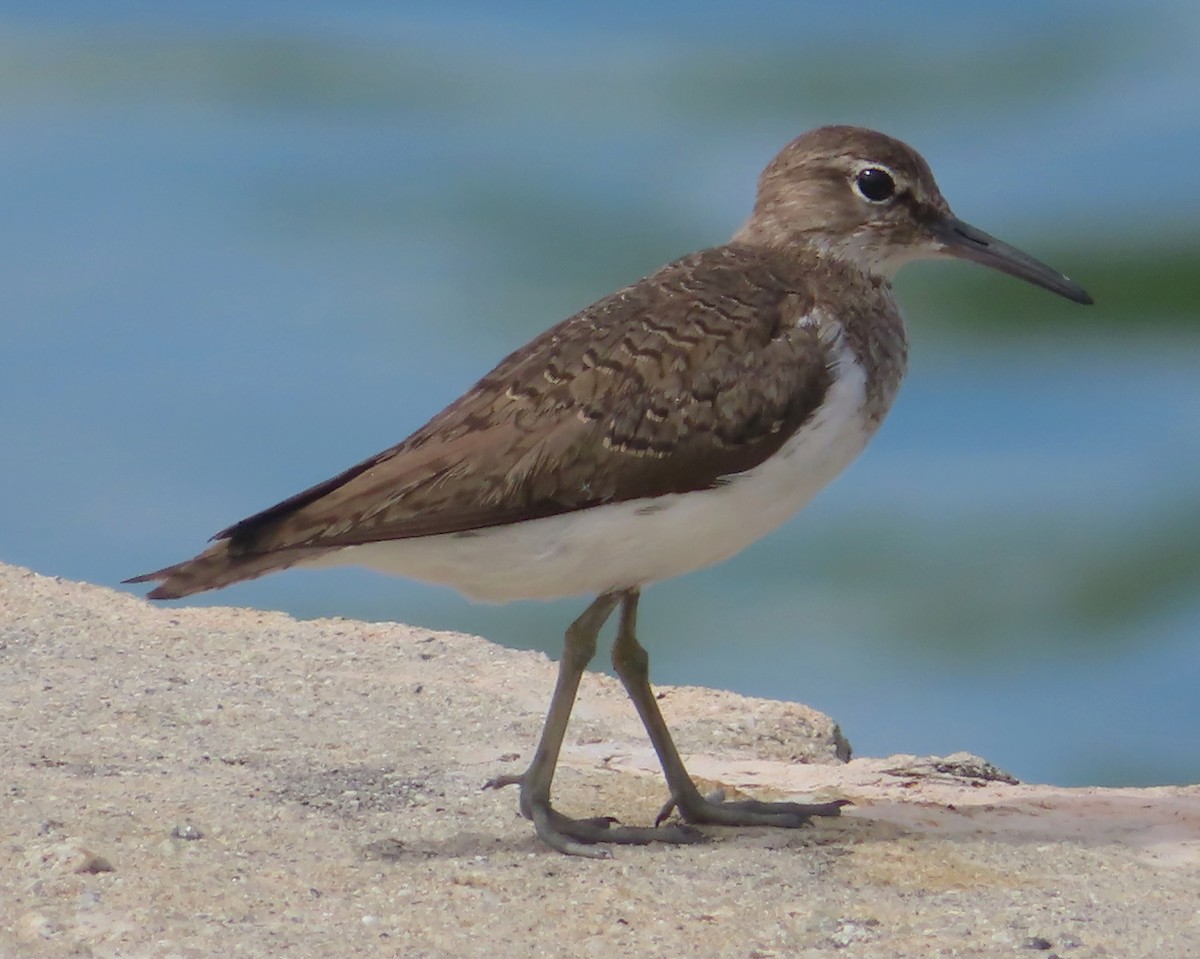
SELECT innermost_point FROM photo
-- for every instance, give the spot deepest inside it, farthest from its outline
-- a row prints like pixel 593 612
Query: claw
pixel 499 782
pixel 665 812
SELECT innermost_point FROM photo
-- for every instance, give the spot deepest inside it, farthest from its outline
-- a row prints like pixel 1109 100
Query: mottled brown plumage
pixel 726 388
pixel 694 373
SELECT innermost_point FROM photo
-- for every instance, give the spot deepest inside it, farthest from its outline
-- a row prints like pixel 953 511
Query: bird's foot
pixel 587 837
pixel 714 810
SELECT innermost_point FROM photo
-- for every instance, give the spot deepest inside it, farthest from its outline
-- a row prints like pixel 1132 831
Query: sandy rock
pixel 262 787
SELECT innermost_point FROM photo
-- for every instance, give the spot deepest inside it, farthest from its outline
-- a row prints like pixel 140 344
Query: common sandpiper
pixel 664 428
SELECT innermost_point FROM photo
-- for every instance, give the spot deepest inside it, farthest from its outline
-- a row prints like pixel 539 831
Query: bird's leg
pixel 575 836
pixel 632 665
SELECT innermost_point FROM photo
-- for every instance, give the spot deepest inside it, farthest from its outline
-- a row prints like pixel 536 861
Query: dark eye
pixel 875 184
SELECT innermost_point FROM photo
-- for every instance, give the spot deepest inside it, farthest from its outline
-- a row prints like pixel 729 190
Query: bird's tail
pixel 218 566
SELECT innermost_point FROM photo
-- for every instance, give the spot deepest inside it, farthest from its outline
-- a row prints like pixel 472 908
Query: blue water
pixel 243 248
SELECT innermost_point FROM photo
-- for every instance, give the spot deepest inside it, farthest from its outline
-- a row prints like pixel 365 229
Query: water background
pixel 243 246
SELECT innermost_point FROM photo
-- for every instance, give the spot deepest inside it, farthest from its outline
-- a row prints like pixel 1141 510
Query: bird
pixel 660 430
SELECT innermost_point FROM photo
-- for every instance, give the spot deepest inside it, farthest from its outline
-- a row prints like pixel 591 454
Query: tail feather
pixel 217 567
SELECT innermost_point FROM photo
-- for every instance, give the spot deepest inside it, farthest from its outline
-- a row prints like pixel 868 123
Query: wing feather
pixel 697 372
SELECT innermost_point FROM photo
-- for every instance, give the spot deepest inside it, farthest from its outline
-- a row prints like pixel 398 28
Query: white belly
pixel 623 545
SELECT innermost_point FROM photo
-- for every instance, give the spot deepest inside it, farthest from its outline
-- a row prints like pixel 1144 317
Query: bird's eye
pixel 874 184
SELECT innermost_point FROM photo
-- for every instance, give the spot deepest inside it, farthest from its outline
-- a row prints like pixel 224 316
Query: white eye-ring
pixel 875 184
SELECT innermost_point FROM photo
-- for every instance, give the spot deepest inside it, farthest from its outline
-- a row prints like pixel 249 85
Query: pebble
pixel 33 926
pixel 188 831
pixel 72 856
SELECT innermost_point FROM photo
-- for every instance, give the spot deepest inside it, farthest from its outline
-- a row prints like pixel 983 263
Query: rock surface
pixel 220 782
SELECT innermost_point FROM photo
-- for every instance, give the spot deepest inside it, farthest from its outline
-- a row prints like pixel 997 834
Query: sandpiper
pixel 660 430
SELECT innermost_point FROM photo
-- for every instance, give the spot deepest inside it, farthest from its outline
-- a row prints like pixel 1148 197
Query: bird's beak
pixel 959 239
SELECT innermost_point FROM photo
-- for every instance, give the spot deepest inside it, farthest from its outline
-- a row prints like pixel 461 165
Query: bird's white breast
pixel 633 543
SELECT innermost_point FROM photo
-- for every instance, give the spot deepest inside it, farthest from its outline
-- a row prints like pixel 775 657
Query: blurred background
pixel 246 245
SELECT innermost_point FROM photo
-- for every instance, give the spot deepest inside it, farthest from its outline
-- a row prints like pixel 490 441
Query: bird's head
pixel 856 195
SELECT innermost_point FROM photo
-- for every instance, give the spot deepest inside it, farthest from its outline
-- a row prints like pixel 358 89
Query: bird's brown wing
pixel 692 374
pixel 695 373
